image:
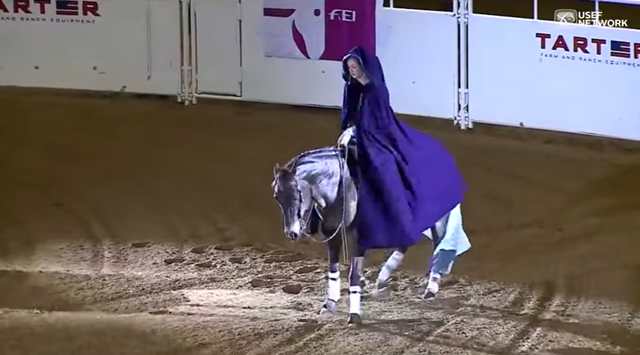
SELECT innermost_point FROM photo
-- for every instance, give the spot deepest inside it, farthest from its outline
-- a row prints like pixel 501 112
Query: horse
pixel 319 180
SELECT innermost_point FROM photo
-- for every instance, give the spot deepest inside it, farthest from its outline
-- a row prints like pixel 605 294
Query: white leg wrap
pixel 394 261
pixel 354 299
pixel 434 283
pixel 334 286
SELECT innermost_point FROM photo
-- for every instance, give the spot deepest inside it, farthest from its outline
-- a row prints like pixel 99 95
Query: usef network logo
pixel 59 11
pixel 588 18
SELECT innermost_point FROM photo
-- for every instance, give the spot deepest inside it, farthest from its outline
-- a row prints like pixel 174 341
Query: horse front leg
pixel 355 290
pixel 393 262
pixel 333 293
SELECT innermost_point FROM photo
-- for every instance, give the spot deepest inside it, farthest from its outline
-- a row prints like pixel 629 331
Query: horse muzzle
pixel 293 236
pixel 294 231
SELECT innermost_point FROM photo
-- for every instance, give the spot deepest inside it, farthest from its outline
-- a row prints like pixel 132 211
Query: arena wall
pixel 130 46
pixel 198 48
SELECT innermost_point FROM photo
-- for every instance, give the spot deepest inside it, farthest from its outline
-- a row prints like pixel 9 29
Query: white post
pixel 456 76
pixel 183 95
pixel 463 91
pixel 597 9
pixel 535 9
pixel 193 51
pixel 149 42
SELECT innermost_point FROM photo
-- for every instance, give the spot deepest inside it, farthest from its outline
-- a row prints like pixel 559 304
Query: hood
pixel 370 65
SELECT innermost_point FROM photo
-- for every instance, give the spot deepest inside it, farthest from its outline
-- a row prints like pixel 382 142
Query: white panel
pixel 513 81
pixel 218 47
pixel 132 46
pixel 420 58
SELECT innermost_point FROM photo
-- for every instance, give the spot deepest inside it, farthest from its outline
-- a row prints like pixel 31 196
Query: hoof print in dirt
pixel 216 279
pixel 237 260
pixel 204 265
pixel 260 283
pixel 275 277
pixel 286 258
pixel 449 281
pixel 308 320
pixel 292 289
pixel 306 269
pixel 140 244
pixel 200 250
pixel 224 247
pixel 160 312
pixel 174 261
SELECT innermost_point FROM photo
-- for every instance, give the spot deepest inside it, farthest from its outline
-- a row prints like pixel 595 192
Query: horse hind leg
pixel 441 264
pixel 393 262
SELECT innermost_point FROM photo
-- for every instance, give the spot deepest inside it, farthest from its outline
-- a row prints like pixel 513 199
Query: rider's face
pixel 354 68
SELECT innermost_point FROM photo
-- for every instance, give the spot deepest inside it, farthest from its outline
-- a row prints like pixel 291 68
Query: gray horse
pixel 319 179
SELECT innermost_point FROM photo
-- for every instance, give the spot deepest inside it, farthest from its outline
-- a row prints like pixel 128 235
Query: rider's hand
pixel 346 136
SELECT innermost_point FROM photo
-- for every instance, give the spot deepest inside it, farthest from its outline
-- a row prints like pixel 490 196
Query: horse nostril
pixel 293 235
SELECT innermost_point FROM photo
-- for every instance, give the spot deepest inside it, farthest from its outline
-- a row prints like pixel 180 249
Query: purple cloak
pixel 408 180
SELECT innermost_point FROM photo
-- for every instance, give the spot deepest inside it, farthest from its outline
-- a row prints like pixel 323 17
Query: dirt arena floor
pixel 139 226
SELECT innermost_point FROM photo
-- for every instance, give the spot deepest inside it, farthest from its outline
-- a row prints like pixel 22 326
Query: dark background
pixel 524 8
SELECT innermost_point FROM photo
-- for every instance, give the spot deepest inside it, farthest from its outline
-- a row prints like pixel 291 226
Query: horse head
pixel 293 195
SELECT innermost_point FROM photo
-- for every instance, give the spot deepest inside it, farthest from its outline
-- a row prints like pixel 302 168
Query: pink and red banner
pixel 318 29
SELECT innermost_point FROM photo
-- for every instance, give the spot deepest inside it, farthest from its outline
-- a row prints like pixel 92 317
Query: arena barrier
pixel 457 64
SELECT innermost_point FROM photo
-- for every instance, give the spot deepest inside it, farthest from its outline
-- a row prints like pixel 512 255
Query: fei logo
pixel 317 29
pixel 343 15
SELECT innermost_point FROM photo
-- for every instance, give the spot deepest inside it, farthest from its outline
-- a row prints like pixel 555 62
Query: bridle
pixel 304 219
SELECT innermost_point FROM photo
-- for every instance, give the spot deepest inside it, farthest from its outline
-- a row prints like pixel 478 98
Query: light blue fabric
pixel 455 240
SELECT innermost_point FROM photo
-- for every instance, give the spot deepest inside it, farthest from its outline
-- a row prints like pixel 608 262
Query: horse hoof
pixel 330 306
pixel 363 283
pixel 381 291
pixel 428 295
pixel 354 319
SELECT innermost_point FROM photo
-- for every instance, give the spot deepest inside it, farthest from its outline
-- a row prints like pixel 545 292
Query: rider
pixel 406 179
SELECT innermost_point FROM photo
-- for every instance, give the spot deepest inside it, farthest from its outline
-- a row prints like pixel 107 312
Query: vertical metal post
pixel 193 52
pixel 535 9
pixel 456 77
pixel 463 91
pixel 183 95
pixel 149 42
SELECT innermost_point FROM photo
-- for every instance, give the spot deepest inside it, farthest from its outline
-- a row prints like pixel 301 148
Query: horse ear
pixel 276 169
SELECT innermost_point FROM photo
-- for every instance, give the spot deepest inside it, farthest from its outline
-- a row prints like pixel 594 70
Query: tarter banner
pixel 318 29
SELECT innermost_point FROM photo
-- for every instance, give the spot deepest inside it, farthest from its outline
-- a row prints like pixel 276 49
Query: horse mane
pixel 291 164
